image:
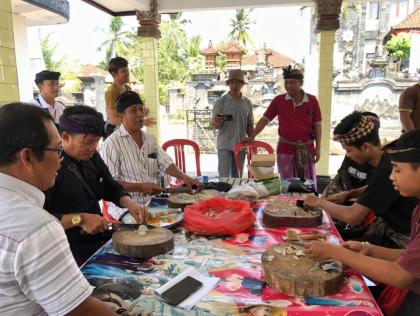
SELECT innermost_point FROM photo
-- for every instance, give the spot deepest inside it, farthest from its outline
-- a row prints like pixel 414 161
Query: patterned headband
pixel 361 130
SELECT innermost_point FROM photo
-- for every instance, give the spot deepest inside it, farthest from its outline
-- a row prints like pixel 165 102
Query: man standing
pixel 360 139
pixel 82 181
pixel 49 87
pixel 38 272
pixel 409 106
pixel 233 118
pixel 118 68
pixel 135 159
pixel 299 119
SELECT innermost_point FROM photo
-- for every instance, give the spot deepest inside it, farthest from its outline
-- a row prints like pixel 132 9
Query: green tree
pixel 399 46
pixel 49 53
pixel 60 64
pixel 241 27
pixel 117 41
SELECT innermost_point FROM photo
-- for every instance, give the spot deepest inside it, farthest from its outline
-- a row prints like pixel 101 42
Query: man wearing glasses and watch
pixel 38 273
pixel 82 181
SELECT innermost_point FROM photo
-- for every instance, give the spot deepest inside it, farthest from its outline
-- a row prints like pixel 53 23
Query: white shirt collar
pixel 26 190
pixel 304 99
pixel 123 131
pixel 44 103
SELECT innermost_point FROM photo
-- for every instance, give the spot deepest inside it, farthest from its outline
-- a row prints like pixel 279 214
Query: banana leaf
pixel 272 185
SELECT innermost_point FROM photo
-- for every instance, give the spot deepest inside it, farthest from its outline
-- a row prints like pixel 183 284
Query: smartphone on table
pixel 181 291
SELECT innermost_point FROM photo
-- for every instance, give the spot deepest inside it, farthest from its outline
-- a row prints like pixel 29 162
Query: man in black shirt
pixel 82 181
pixel 359 137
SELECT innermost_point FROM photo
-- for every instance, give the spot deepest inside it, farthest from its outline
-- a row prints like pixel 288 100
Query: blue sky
pixel 285 29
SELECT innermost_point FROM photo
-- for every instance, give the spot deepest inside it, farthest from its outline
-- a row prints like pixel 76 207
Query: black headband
pixel 46 75
pixel 126 100
pixel 406 148
pixel 290 73
pixel 83 124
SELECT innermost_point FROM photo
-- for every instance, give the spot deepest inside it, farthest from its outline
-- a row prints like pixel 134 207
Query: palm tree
pixel 117 42
pixel 241 26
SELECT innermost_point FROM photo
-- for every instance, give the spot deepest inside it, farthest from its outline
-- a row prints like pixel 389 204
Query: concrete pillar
pixel 149 31
pixel 9 90
pixel 326 51
pixel 151 83
pixel 327 14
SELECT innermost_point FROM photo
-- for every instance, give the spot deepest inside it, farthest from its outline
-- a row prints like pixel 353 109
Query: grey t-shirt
pixel 232 132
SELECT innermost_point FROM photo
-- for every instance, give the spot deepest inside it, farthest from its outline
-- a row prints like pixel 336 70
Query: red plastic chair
pixel 179 150
pixel 251 149
pixel 106 215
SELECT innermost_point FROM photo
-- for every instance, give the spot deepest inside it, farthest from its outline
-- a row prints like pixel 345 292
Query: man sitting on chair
pixel 135 159
pixel 82 181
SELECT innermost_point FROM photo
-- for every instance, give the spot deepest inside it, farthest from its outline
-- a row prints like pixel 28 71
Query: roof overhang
pixel 42 12
pixel 129 7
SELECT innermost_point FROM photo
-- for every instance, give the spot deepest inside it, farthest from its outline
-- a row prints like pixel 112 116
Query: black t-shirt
pixel 69 195
pixel 381 197
pixel 357 174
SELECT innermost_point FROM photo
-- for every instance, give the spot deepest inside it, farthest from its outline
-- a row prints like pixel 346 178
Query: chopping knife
pixel 116 227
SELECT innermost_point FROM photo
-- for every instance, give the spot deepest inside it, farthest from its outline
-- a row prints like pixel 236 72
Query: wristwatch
pixel 76 220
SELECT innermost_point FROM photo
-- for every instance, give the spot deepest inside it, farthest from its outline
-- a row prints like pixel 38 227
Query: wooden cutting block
pixel 288 270
pixel 155 241
pixel 181 200
pixel 287 214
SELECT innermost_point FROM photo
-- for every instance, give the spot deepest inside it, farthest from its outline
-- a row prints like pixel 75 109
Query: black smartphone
pixel 227 117
pixel 181 291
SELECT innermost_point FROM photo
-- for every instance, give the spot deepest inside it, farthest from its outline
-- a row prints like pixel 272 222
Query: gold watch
pixel 76 220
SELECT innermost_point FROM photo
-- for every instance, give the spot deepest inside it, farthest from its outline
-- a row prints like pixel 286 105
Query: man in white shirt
pixel 135 159
pixel 38 273
pixel 48 85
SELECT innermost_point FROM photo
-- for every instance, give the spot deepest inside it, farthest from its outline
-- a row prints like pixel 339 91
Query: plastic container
pixel 284 186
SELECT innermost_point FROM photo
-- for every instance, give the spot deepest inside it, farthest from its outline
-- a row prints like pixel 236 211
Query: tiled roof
pixel 276 59
pixel 91 70
pixel 233 48
pixel 209 50
pixel 411 22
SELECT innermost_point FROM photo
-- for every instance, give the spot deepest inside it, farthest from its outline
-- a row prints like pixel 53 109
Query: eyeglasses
pixel 59 150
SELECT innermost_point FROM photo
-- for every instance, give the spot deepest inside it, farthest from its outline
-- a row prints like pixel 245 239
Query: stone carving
pixel 149 21
pixel 327 13
pixel 381 107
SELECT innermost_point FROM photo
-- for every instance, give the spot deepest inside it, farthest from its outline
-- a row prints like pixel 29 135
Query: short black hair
pixel 415 165
pixel 117 63
pixel 22 125
pixel 350 121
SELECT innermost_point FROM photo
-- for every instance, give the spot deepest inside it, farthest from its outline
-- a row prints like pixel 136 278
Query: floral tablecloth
pixel 130 283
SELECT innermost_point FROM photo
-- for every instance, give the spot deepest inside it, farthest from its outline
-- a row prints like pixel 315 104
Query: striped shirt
pixel 129 163
pixel 38 275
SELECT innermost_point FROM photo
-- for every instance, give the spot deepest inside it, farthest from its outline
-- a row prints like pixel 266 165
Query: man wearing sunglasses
pixel 83 181
pixel 38 273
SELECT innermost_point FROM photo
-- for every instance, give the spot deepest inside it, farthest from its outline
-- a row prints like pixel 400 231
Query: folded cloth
pixel 209 283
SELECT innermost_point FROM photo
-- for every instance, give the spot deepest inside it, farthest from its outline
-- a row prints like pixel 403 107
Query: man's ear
pixel 367 147
pixel 26 157
pixel 65 137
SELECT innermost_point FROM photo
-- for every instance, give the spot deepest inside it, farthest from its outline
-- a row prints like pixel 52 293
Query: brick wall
pixel 8 76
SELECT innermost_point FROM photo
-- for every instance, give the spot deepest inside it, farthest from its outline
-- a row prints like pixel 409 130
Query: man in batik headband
pixel 299 119
pixel 397 270
pixel 82 181
pixel 360 138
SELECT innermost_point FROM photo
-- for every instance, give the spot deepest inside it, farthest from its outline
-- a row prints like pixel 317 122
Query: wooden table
pixel 236 261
